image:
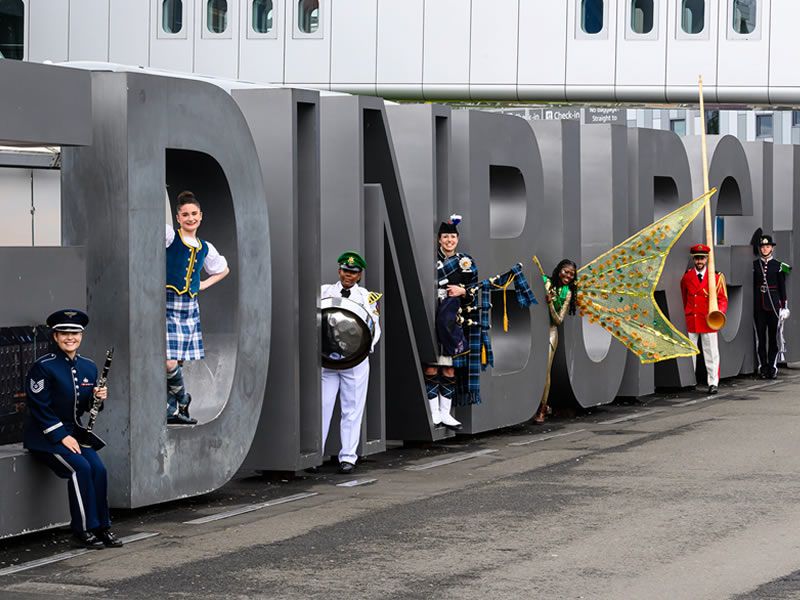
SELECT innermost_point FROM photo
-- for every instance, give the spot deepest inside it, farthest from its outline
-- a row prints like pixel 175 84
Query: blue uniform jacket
pixel 59 391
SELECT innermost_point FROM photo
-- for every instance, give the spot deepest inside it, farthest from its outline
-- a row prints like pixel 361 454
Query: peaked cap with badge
pixel 351 261
pixel 68 319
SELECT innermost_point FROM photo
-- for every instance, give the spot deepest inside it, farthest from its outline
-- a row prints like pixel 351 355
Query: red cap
pixel 700 249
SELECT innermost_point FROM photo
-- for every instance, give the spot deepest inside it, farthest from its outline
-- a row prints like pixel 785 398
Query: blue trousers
pixel 87 486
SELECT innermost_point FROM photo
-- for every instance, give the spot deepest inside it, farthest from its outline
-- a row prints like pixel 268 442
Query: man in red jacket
pixel 694 289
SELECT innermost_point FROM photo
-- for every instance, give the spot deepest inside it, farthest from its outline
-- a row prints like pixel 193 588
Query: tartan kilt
pixel 184 336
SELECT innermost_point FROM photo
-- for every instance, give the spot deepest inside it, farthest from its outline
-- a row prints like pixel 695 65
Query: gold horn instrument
pixel 715 318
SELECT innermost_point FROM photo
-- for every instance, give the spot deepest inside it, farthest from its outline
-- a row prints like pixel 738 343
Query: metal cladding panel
pixel 421 135
pixel 285 127
pixel 493 48
pixel 660 181
pixel 498 188
pixel 784 158
pixel 140 122
pixel 446 57
pixel 591 57
pixel 743 59
pixel 49 30
pixel 399 50
pixel 591 362
pixel 15 198
pixel 784 44
pixel 88 30
pixel 638 54
pixel 172 51
pixel 261 54
pixel 129 31
pixel 47 278
pixel 47 198
pixel 789 252
pixel 37 118
pixel 32 497
pixel 690 55
pixel 354 45
pixel 217 54
pixel 542 53
pixel 307 57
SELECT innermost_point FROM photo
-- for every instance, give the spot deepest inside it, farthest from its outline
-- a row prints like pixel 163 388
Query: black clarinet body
pixel 101 383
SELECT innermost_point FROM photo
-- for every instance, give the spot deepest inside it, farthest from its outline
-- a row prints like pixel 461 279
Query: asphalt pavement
pixel 678 496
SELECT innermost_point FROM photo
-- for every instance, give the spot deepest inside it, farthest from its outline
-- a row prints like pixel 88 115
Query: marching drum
pixel 347 332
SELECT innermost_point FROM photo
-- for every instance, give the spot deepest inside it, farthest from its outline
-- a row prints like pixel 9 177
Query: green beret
pixel 351 261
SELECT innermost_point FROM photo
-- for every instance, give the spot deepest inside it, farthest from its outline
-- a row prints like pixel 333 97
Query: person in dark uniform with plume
pixel 60 388
pixel 456 275
pixel 770 304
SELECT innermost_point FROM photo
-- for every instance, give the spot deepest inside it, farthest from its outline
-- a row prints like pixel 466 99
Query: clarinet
pixel 101 383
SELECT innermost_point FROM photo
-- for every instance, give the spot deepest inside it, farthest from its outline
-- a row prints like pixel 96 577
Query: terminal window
pixel 172 16
pixel 592 16
pixel 678 126
pixel 642 16
pixel 12 29
pixel 693 16
pixel 763 126
pixel 217 16
pixel 744 16
pixel 262 16
pixel 308 15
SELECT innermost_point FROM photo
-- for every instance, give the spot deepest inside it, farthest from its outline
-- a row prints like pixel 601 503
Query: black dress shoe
pixel 712 389
pixel 86 539
pixel 179 419
pixel 108 539
pixel 774 374
pixel 183 410
pixel 345 468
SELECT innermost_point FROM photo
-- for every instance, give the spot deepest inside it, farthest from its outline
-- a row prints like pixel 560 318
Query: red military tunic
pixel 695 300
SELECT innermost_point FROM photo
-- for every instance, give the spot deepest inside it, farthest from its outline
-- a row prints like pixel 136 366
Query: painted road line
pixel 727 394
pixel 631 417
pixel 542 438
pixel 356 483
pixel 450 460
pixel 249 508
pixel 70 554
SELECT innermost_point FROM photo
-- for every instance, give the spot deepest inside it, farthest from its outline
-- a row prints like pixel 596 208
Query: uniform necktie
pixel 700 276
pixel 345 293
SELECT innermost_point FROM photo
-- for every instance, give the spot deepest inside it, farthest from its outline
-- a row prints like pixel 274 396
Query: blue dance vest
pixel 184 263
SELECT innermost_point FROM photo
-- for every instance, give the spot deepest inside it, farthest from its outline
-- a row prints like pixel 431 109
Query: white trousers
pixel 710 354
pixel 351 386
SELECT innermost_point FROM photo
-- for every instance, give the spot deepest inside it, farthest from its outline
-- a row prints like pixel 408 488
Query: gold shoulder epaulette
pixel 373 297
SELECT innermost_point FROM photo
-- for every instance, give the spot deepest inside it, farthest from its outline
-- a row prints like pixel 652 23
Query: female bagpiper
pixel 187 254
pixel 60 388
pixel 561 299
pixel 456 273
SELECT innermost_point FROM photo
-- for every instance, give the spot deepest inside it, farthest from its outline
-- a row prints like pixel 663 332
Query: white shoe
pixel 444 413
pixel 435 416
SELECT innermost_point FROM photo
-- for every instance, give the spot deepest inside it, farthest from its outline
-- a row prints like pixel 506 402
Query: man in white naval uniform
pixel 350 384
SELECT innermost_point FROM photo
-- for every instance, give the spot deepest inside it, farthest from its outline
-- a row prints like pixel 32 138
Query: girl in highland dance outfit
pixel 187 254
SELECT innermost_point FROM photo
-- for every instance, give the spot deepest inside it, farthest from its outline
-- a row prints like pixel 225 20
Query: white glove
pixel 783 314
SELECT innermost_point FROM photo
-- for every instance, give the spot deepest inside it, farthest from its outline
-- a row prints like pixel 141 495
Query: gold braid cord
pixel 616 290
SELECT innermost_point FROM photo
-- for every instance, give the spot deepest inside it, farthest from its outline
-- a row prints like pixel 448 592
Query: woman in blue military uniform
pixel 61 387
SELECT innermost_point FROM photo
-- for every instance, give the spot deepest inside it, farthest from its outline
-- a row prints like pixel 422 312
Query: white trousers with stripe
pixel 351 386
pixel 710 351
